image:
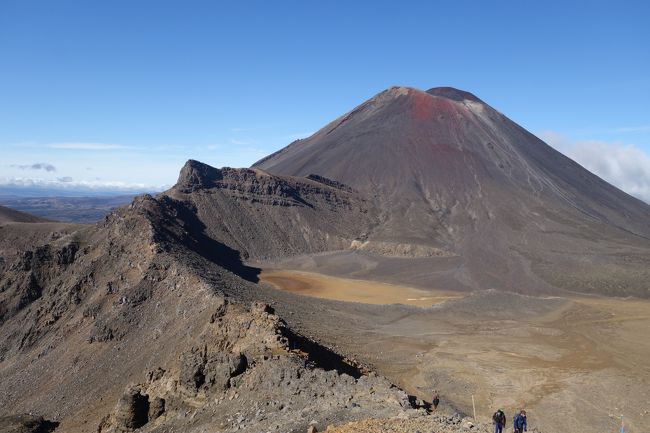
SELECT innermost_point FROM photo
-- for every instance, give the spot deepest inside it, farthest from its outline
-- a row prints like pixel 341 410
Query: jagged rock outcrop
pixel 264 216
pixel 246 376
pixel 34 271
pixel 196 175
pixel 132 410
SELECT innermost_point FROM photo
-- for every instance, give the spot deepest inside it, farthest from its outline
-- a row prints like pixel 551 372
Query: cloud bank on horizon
pixel 92 168
pixel 623 165
pixel 83 168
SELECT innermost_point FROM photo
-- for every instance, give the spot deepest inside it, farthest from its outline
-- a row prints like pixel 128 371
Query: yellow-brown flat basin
pixel 351 290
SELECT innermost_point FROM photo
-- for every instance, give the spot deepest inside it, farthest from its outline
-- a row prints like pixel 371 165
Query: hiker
pixel 435 400
pixel 520 422
pixel 499 420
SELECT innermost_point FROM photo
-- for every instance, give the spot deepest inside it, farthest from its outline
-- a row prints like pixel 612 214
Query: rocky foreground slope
pixel 148 320
pixel 434 423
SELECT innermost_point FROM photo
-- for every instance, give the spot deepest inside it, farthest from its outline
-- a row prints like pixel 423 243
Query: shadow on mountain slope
pixel 210 248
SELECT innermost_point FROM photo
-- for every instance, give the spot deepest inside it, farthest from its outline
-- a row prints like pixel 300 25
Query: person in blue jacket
pixel 520 422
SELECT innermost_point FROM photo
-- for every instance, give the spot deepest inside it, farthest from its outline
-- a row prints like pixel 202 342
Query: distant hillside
pixel 83 210
pixel 8 215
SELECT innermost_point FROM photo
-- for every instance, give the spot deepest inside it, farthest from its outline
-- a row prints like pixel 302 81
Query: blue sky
pixel 120 93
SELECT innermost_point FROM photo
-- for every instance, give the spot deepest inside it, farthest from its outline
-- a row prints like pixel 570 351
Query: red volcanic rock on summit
pixel 448 171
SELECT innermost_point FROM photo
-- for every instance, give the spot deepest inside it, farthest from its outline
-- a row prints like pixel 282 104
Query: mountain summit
pixel 453 94
pixel 452 173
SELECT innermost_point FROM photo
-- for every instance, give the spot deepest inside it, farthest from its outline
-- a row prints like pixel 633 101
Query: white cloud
pixel 623 165
pixel 86 146
pixel 69 183
pixel 36 166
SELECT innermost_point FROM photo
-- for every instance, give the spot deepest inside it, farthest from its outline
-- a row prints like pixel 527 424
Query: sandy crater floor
pixel 575 363
pixel 352 290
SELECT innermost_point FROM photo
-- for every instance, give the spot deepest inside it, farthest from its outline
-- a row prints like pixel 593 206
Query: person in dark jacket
pixel 499 420
pixel 520 422
pixel 435 400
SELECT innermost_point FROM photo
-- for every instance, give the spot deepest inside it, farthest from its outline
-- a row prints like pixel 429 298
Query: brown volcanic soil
pixel 431 424
pixel 454 177
pixel 150 319
pixel 578 360
pixel 349 290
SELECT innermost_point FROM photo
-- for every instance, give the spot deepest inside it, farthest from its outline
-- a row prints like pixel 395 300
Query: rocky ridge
pixel 148 319
pixel 256 380
pixel 264 216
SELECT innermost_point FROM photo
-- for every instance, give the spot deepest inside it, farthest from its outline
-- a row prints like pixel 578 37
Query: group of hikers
pixel 519 421
pixel 498 419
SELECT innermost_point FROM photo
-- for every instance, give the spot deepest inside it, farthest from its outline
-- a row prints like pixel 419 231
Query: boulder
pixel 212 371
pixel 132 410
pixel 156 408
pixel 220 368
pixel 26 423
